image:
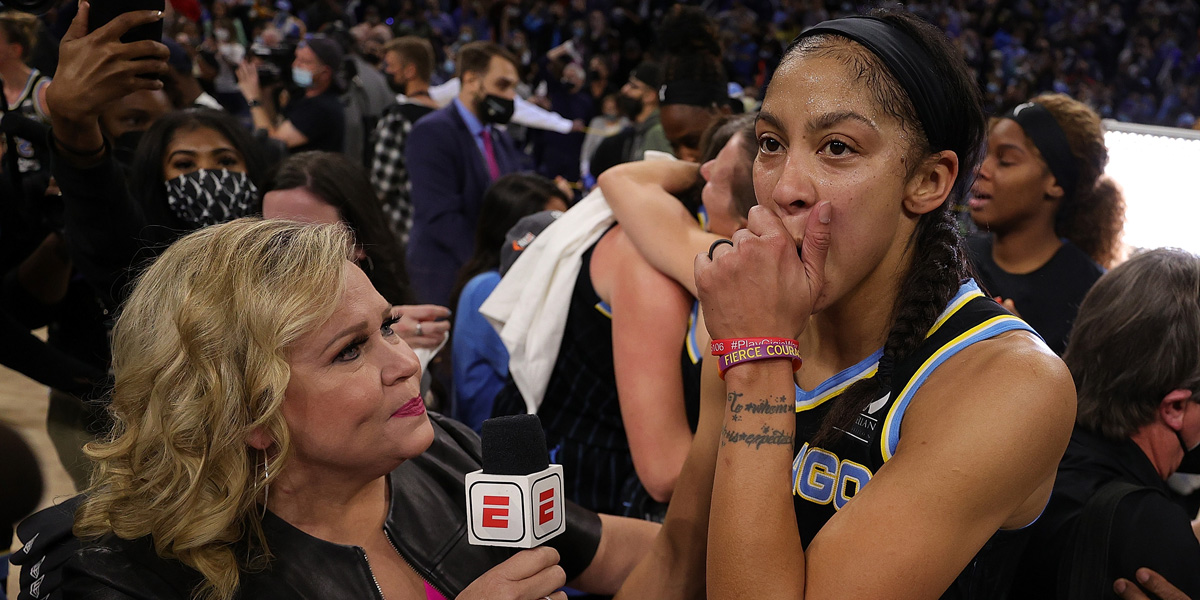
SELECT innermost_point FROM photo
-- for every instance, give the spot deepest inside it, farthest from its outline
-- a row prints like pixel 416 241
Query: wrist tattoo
pixel 751 437
pixel 767 436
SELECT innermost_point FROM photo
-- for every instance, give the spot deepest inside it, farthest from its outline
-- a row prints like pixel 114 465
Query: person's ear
pixel 1171 409
pixel 259 439
pixel 1054 191
pixel 932 183
pixel 469 79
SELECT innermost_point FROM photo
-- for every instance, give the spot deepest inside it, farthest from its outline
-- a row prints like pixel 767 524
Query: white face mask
pixel 302 77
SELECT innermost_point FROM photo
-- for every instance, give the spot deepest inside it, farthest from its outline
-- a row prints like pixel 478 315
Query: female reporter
pixel 923 429
pixel 1052 219
pixel 270 442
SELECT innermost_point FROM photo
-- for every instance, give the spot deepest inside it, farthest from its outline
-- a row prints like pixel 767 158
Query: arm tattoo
pixel 768 435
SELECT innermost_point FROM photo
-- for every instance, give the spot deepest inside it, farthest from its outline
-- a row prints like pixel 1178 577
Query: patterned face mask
pixel 207 197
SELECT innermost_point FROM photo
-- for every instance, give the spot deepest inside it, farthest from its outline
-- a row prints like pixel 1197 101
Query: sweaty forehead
pixel 806 90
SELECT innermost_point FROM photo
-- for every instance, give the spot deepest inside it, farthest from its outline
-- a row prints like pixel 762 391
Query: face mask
pixel 302 77
pixel 222 35
pixel 595 75
pixel 207 197
pixel 630 107
pixel 497 110
pixel 464 38
pixel 448 66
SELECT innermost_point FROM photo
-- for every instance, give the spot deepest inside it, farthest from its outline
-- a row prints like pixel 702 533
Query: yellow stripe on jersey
pixel 891 424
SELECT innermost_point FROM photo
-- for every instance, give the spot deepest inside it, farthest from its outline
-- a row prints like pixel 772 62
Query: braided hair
pixel 688 39
pixel 938 263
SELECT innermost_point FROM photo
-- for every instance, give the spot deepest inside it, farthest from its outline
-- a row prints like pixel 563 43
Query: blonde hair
pixel 200 355
pixel 20 28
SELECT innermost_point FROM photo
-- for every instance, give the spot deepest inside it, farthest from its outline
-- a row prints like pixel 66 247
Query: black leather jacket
pixel 427 524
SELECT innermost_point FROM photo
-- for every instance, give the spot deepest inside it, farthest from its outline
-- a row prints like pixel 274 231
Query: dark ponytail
pixel 938 264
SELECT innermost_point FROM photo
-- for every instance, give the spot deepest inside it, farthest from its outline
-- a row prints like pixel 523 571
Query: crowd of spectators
pixel 1131 60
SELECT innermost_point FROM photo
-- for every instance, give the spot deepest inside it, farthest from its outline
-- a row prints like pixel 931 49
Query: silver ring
pixel 419 329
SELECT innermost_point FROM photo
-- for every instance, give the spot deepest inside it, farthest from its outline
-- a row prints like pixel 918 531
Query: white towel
pixel 529 307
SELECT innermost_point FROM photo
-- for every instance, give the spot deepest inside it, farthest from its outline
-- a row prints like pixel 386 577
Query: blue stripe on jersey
pixel 693 347
pixel 838 383
pixel 604 309
pixel 867 367
pixel 985 330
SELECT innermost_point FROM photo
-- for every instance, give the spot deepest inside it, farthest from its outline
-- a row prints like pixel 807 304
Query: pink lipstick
pixel 412 408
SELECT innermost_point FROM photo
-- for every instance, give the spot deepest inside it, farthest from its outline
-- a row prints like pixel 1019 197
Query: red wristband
pixel 730 352
pixel 725 346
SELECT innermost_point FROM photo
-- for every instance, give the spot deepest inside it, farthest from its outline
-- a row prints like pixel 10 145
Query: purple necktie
pixel 489 153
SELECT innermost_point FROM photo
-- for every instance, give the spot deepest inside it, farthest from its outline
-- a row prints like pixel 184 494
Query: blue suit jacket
pixel 449 178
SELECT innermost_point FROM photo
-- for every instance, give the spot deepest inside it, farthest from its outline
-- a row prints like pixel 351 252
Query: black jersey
pixel 581 411
pixel 27 105
pixel 825 479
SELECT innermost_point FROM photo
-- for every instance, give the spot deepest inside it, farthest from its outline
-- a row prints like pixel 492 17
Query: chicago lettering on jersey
pixel 820 477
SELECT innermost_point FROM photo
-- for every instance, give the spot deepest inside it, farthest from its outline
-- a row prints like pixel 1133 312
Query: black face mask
pixel 630 107
pixel 496 110
pixel 595 75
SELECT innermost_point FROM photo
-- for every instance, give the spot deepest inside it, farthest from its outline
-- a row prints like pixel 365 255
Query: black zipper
pixel 413 567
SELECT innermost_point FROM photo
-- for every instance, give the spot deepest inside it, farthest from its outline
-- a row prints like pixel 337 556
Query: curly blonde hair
pixel 1095 217
pixel 200 355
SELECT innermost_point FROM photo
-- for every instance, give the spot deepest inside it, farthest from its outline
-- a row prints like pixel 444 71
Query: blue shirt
pixel 473 125
pixel 479 357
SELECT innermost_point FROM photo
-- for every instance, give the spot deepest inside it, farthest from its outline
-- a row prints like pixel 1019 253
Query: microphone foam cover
pixel 514 445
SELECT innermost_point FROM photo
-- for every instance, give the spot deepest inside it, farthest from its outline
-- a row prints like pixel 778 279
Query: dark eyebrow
pixel 1002 147
pixel 183 151
pixel 828 120
pixel 768 118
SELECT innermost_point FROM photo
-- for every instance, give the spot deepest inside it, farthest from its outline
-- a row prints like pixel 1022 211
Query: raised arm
pixel 649 324
pixel 660 227
pixel 675 568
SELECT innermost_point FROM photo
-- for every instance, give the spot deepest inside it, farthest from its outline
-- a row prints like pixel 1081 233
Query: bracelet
pixel 722 347
pixel 734 351
pixel 76 151
pixel 254 103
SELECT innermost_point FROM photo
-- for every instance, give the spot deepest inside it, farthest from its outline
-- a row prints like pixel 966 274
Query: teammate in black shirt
pixel 1051 220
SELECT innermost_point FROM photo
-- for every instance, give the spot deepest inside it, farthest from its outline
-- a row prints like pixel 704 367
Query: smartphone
pixel 103 11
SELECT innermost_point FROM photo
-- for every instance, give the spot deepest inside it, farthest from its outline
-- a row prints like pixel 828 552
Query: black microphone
pixel 516 499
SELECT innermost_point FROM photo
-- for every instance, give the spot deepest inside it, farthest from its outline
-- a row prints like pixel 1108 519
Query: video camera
pixel 274 62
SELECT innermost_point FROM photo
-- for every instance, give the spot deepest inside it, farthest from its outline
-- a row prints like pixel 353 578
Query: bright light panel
pixel 1159 170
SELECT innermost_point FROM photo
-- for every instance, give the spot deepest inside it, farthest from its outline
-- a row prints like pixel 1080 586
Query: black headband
pixel 908 62
pixel 1045 133
pixel 705 94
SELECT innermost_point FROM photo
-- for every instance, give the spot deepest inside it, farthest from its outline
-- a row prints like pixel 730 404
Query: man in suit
pixel 453 155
